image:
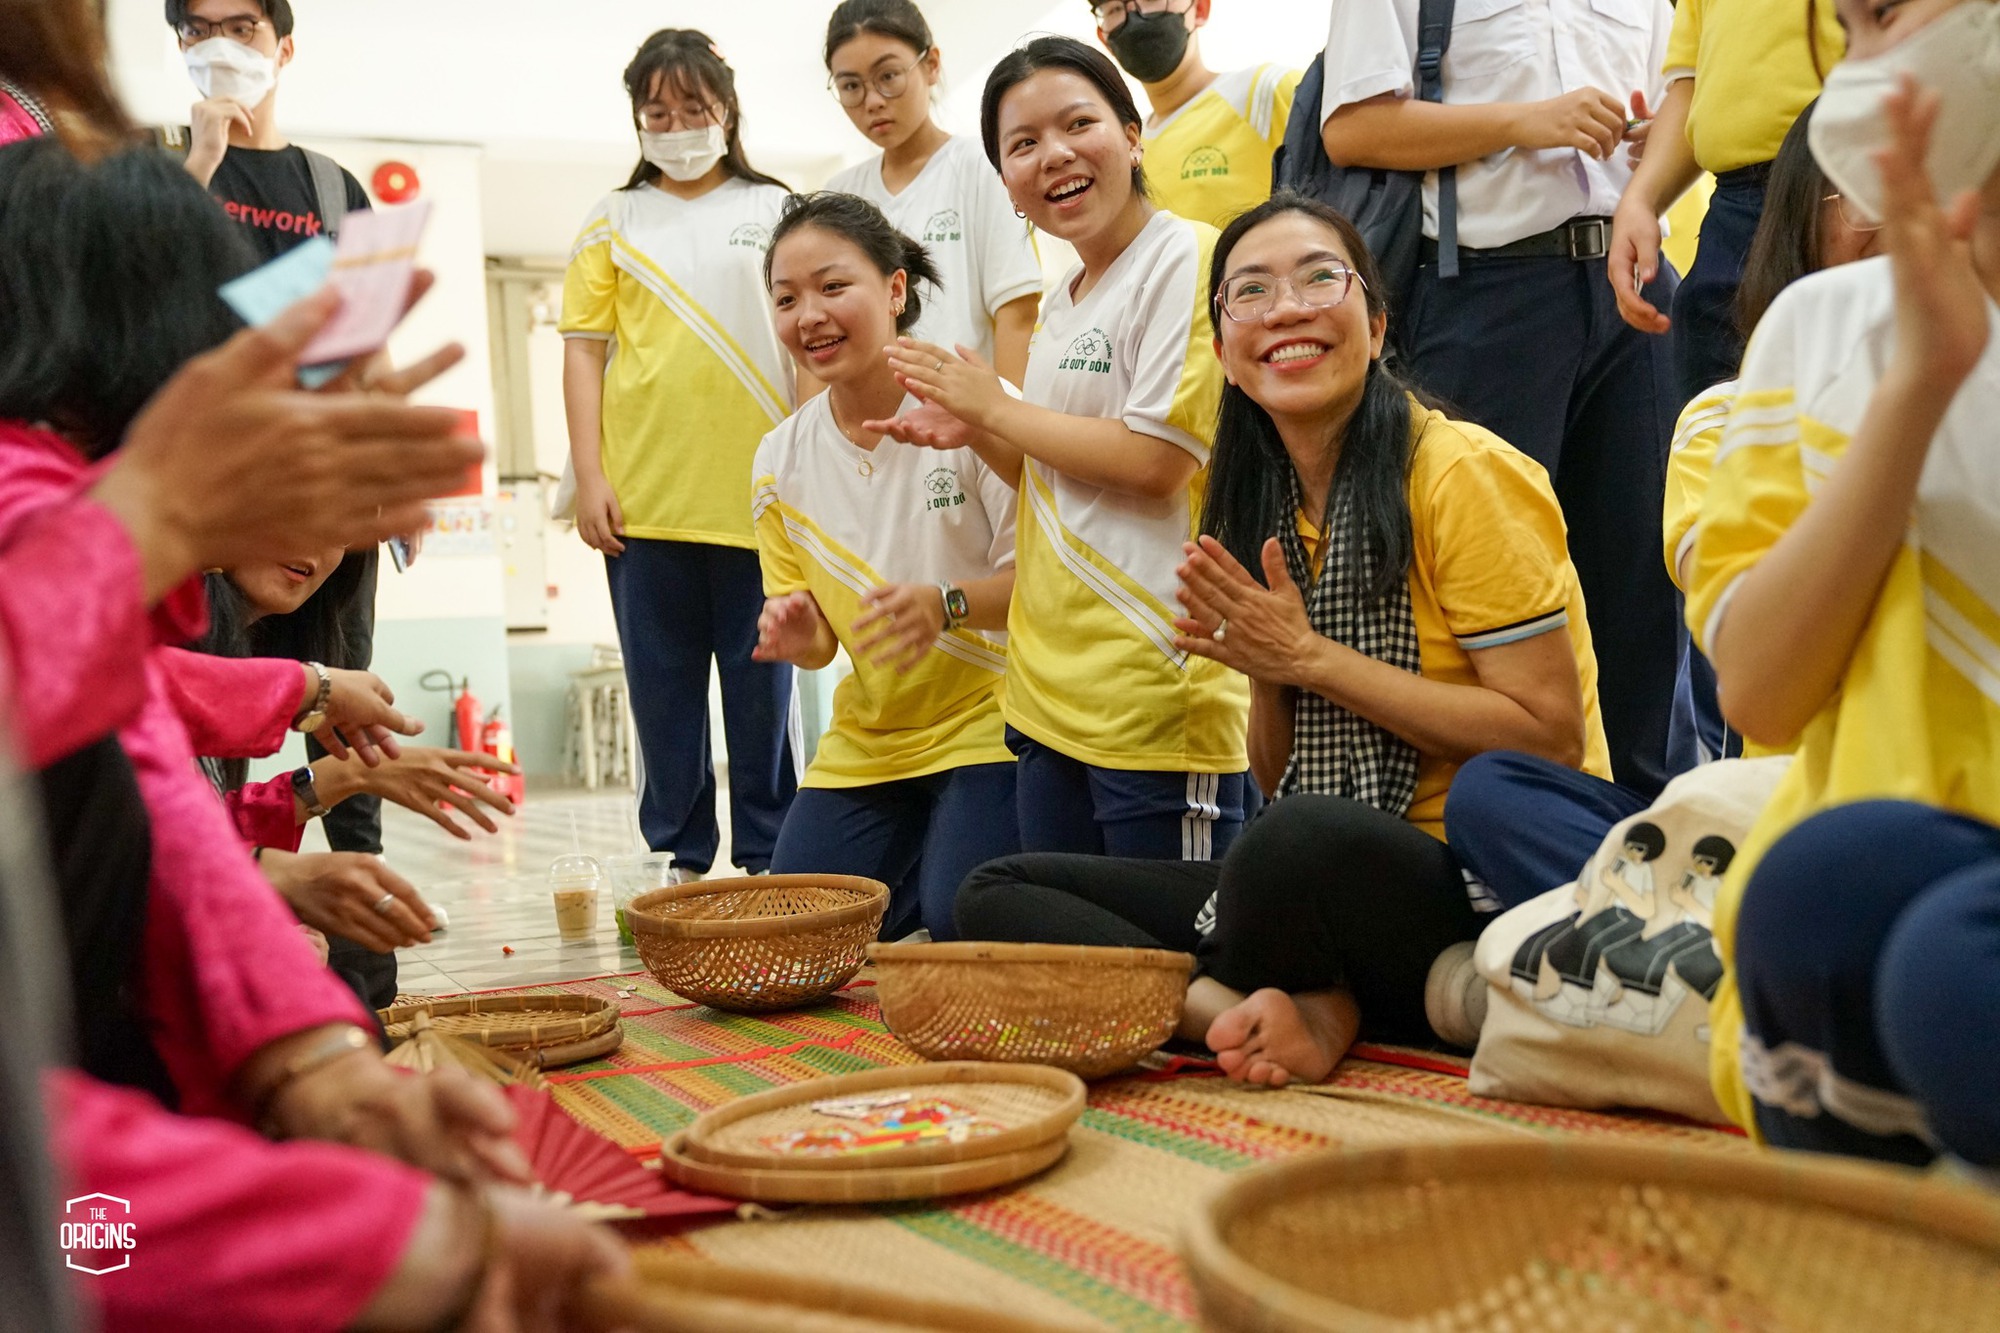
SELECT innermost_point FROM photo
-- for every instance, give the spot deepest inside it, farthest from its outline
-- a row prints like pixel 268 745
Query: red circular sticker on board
pixel 396 183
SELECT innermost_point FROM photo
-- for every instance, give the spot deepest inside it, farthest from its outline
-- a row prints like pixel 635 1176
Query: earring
pixel 896 309
pixel 1019 214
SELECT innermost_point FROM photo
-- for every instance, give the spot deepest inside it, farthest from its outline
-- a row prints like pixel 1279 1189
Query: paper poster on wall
pixel 461 526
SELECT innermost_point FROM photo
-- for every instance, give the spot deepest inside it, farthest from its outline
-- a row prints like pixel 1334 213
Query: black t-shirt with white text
pixel 269 193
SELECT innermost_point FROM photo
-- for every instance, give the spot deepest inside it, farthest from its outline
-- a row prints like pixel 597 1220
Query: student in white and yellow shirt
pixel 934 187
pixel 1847 590
pixel 671 375
pixel 1210 137
pixel 1128 745
pixel 901 555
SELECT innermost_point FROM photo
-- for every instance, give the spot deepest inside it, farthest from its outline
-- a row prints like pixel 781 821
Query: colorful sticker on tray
pixel 881 1124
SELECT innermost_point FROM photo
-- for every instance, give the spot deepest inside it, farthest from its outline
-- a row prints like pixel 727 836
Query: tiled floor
pixel 495 889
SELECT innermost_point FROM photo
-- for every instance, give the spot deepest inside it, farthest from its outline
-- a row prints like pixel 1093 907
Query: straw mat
pixel 1090 1242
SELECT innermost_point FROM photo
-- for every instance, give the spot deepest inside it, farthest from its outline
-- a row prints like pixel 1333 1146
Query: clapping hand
pixel 1232 619
pixel 787 628
pixel 910 617
pixel 1941 319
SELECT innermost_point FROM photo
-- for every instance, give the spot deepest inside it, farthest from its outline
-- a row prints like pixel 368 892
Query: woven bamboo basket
pixel 1582 1236
pixel 761 943
pixel 677 1294
pixel 548 1031
pixel 879 1185
pixel 1088 1010
pixel 428 1050
pixel 1025 1106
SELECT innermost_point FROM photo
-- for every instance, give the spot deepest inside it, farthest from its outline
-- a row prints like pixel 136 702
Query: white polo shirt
pixel 1509 51
pixel 959 210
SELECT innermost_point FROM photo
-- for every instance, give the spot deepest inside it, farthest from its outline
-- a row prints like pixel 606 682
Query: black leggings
pixel 1318 892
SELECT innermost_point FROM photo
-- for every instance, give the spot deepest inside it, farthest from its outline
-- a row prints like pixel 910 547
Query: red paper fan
pixel 598 1176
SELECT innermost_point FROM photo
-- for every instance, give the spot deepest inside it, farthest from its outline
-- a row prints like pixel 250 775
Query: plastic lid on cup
pixel 575 866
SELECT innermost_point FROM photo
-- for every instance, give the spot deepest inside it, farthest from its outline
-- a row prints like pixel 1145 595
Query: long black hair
pixel 1790 235
pixel 854 219
pixel 687 62
pixel 1248 500
pixel 108 277
pixel 1063 53
pixel 316 632
pixel 899 19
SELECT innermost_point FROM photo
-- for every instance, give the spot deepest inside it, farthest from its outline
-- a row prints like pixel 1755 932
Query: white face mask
pixel 685 155
pixel 224 68
pixel 1956 56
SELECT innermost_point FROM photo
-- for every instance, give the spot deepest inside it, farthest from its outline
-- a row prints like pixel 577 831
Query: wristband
pixel 343 1041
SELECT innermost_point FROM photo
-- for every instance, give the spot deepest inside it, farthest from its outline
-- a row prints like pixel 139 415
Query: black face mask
pixel 1150 46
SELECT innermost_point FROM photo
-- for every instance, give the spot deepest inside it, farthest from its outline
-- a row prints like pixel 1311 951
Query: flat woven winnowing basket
pixel 760 943
pixel 1542 1235
pixel 1091 1011
pixel 547 1031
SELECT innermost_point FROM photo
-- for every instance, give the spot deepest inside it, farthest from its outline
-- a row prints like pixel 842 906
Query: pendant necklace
pixel 865 465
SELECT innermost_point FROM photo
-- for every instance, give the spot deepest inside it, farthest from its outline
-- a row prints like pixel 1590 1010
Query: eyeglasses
pixel 1111 13
pixel 1251 296
pixel 852 89
pixel 242 29
pixel 1854 221
pixel 691 116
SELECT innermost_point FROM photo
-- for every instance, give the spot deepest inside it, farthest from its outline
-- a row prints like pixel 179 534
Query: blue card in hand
pixel 262 295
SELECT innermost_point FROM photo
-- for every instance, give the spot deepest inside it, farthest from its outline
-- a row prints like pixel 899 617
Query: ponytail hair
pixel 860 223
pixel 1248 500
pixel 691 66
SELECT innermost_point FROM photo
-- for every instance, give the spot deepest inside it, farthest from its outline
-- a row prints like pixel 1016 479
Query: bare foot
pixel 1273 1038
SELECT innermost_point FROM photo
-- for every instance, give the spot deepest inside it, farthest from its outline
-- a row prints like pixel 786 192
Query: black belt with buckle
pixel 1579 238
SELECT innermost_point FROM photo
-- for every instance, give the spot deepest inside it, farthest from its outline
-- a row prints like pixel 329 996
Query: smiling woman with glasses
pixel 1395 585
pixel 936 188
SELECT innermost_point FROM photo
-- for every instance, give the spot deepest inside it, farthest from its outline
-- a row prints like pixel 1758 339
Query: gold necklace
pixel 865 465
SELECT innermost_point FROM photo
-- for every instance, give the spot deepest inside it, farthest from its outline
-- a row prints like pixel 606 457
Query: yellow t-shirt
pixel 1684 224
pixel 1753 73
pixel 696 375
pixel 1211 159
pixel 1690 464
pixel 1490 566
pixel 836 520
pixel 1092 671
pixel 1917 715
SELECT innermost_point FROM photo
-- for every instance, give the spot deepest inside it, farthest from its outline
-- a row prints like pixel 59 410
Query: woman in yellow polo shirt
pixel 1846 587
pixel 671 376
pixel 1414 605
pixel 1128 744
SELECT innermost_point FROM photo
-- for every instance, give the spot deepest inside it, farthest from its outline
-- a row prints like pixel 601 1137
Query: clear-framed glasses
pixel 1250 296
pixel 1111 13
pixel 1850 215
pixel 242 28
pixel 852 89
pixel 689 116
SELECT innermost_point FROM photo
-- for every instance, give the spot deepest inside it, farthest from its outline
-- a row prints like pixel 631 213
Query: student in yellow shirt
pixel 1210 137
pixel 1524 825
pixel 1128 743
pixel 1847 590
pixel 883 66
pixel 1738 74
pixel 1414 604
pixel 671 375
pixel 902 556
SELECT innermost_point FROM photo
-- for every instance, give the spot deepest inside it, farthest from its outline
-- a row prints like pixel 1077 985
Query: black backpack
pixel 1386 206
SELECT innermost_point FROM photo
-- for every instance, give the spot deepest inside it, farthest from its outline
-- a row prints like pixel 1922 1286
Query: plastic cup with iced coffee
pixel 574 882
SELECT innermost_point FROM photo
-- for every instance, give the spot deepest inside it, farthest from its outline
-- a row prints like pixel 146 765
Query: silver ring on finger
pixel 1221 630
pixel 387 901
pixel 939 366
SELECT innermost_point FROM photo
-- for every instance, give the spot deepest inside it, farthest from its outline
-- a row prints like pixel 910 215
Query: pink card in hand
pixel 373 265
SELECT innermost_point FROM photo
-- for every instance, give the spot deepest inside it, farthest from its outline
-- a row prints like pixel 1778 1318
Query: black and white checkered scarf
pixel 1336 752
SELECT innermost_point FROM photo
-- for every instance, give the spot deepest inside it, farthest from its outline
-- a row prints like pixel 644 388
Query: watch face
pixel 955 605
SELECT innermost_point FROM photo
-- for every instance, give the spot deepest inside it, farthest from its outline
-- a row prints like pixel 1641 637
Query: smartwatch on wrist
pixel 314 715
pixel 957 610
pixel 308 793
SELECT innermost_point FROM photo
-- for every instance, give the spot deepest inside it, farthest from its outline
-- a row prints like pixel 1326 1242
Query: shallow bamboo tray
pixel 548 1031
pixel 677 1294
pixel 759 943
pixel 1489 1235
pixel 1091 1011
pixel 776 1185
pixel 1034 1103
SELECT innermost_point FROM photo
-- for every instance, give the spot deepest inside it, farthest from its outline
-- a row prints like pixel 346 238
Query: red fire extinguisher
pixel 468 718
pixel 497 739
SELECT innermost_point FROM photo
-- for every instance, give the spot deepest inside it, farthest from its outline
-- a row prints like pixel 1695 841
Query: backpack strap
pixel 330 184
pixel 1433 40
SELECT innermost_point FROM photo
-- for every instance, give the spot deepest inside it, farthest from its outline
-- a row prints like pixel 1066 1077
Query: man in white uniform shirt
pixel 1517 326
